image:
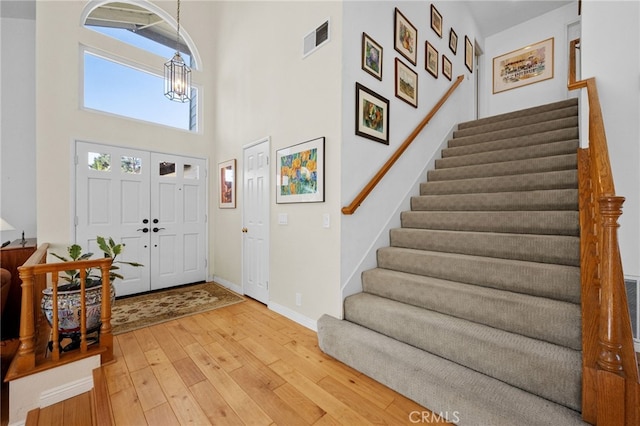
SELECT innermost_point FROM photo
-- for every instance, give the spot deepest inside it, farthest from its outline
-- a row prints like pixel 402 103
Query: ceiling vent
pixel 316 38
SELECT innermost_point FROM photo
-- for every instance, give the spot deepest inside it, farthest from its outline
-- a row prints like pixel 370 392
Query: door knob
pixel 157 229
pixel 245 230
pixel 145 230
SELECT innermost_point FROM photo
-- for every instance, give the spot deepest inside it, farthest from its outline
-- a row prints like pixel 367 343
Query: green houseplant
pixel 69 301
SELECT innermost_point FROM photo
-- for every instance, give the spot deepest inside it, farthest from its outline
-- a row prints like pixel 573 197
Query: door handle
pixel 245 230
pixel 145 230
pixel 157 229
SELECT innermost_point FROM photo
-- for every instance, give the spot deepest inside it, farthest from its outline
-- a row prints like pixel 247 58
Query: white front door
pixel 178 220
pixel 153 203
pixel 255 237
pixel 112 200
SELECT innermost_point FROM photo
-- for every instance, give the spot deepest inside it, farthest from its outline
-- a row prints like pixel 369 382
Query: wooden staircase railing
pixel 610 381
pixel 35 332
pixel 359 199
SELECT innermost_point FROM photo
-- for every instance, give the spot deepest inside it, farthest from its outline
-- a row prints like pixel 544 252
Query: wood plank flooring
pixel 241 365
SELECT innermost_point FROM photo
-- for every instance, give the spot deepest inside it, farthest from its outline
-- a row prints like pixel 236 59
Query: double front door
pixel 155 204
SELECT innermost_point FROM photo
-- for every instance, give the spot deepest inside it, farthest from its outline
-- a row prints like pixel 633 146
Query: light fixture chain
pixel 178 31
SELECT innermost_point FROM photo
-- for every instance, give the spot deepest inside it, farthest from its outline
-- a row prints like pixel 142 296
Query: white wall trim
pixel 66 391
pixel 228 284
pixel 293 316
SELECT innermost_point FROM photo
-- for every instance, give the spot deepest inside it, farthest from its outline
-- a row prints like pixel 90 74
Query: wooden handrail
pixel 573 46
pixel 353 206
pixel 34 275
pixel 611 384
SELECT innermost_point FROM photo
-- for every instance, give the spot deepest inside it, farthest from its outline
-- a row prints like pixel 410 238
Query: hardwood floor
pixel 242 365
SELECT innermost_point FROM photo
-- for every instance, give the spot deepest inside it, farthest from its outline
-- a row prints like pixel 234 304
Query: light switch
pixel 326 220
pixel 283 219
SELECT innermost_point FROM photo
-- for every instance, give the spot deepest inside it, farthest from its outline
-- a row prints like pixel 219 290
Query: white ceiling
pixel 495 16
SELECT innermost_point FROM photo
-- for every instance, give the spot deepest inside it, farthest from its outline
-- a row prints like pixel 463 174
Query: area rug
pixel 135 312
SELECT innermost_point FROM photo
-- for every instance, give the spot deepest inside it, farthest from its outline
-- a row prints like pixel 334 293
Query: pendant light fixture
pixel 177 75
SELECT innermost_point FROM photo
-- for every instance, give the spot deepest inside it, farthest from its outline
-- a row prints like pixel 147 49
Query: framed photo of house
pixel 453 41
pixel 447 67
pixel 405 37
pixel 436 21
pixel 524 66
pixel 431 59
pixel 227 184
pixel 406 83
pixel 468 54
pixel 372 115
pixel 300 173
pixel 371 56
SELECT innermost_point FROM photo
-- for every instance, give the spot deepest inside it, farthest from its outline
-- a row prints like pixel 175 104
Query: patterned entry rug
pixel 135 312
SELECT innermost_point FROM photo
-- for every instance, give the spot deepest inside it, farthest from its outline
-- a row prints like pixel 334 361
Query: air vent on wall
pixel 316 38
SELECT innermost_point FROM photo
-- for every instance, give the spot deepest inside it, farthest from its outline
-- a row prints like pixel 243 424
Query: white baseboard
pixel 66 391
pixel 294 316
pixel 228 284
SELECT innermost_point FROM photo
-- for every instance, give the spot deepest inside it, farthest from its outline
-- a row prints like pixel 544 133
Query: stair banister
pixel 359 199
pixel 611 385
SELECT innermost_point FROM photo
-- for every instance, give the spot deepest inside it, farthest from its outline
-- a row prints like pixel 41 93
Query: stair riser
pixel 549 320
pixel 536 151
pixel 466 147
pixel 504 356
pixel 565 199
pixel 567 179
pixel 507 168
pixel 547 223
pixel 518 122
pixel 557 282
pixel 559 250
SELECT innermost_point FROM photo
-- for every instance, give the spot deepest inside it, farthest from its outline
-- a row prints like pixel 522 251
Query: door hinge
pixel 75 221
pixel 205 263
pixel 76 160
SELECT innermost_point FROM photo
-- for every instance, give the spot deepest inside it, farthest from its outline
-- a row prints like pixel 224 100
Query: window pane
pixel 167 169
pixel 122 90
pixel 131 165
pixel 100 162
pixel 190 172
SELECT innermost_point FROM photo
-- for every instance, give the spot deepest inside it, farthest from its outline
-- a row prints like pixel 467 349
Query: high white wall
pixel 263 87
pixel 610 47
pixel 552 24
pixel 367 229
pixel 17 120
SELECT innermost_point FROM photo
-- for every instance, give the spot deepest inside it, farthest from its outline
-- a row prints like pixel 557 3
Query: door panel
pixel 255 266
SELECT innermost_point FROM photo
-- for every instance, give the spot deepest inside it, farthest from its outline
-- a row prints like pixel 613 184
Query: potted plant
pixel 69 302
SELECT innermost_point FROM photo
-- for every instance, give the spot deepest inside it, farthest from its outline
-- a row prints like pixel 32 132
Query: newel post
pixel 611 374
pixel 106 336
pixel 26 355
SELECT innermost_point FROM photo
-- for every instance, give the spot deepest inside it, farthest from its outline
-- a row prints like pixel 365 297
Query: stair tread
pixel 468 397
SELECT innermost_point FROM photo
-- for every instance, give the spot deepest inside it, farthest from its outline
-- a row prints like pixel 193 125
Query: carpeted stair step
pixel 566 179
pixel 465 147
pixel 521 153
pixel 531 129
pixel 559 282
pixel 555 199
pixel 557 249
pixel 520 113
pixel 517 222
pixel 550 320
pixel 506 168
pixel 496 353
pixel 570 111
pixel 461 394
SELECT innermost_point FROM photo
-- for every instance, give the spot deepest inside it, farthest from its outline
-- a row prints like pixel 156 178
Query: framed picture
pixel 372 115
pixel 406 83
pixel 447 68
pixel 468 54
pixel 405 37
pixel 431 59
pixel 371 56
pixel 527 65
pixel 227 184
pixel 300 173
pixel 436 21
pixel 453 41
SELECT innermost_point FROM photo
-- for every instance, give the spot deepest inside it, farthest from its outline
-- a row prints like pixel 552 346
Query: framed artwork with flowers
pixel 300 173
pixel 371 56
pixel 405 37
pixel 372 115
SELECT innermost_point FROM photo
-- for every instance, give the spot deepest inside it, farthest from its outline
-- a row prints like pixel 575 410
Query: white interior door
pixel 112 200
pixel 178 220
pixel 153 203
pixel 255 236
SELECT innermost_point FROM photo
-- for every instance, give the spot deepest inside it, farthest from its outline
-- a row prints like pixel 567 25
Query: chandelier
pixel 177 75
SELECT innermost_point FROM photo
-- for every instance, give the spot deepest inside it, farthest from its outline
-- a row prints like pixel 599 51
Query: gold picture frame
pixel 521 67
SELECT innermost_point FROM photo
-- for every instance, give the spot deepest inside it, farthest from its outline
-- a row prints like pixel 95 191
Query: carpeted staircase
pixel 474 309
